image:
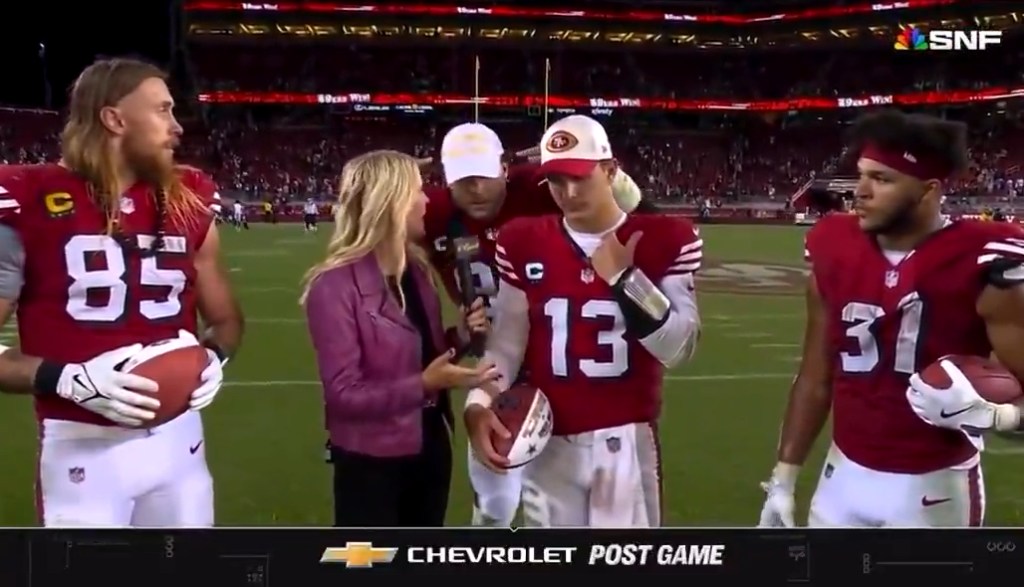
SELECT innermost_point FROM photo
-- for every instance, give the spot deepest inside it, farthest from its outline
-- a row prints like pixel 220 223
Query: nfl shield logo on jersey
pixel 614 444
pixel 587 275
pixel 892 277
pixel 491 234
pixel 127 205
pixel 76 474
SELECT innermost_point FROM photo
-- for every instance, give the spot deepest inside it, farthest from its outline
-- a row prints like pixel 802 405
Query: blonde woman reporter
pixel 375 322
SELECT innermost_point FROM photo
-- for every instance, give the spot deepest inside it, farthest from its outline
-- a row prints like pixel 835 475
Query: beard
pixel 899 220
pixel 152 166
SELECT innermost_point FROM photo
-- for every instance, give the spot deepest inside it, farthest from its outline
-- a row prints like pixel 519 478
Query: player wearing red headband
pixel 893 288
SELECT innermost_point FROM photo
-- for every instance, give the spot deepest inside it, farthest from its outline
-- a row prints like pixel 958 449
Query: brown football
pixel 177 372
pixel 990 379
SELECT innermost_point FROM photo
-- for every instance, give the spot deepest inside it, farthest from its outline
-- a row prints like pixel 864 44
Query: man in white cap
pixel 482 194
pixel 592 306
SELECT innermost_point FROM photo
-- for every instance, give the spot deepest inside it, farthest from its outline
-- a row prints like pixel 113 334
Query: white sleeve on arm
pixel 506 344
pixel 12 264
pixel 676 339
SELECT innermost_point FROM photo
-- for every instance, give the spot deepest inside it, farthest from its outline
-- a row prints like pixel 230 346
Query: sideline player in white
pixel 238 217
pixel 310 212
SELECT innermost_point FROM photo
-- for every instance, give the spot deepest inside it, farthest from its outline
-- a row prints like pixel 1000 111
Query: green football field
pixel 265 437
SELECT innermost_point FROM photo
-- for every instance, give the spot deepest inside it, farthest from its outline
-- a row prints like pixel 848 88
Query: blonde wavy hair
pixel 84 141
pixel 376 192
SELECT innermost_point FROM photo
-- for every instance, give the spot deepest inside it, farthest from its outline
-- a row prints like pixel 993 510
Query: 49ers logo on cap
pixel 561 142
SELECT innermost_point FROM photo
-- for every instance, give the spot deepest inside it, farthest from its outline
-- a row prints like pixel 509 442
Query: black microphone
pixel 467 249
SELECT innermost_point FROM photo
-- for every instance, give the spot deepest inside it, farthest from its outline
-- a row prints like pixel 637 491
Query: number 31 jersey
pixel 84 294
pixel 889 320
pixel 578 352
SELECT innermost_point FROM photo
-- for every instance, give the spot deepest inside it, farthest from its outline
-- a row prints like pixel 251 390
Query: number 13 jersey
pixel 595 374
pixel 889 318
pixel 83 293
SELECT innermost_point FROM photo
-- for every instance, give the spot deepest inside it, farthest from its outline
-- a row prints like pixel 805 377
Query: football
pixel 990 379
pixel 525 411
pixel 175 364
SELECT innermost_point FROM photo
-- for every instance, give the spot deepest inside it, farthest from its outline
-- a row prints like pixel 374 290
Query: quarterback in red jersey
pixel 118 249
pixel 483 194
pixel 893 288
pixel 592 305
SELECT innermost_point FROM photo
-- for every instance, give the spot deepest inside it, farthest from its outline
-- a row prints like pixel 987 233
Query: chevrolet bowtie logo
pixel 358 555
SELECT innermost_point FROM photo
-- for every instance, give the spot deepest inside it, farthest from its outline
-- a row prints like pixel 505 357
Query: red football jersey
pixel 83 294
pixel 888 320
pixel 578 352
pixel 525 196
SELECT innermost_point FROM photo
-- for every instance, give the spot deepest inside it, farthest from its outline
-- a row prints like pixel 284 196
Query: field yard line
pixel 275 320
pixel 751 294
pixel 269 289
pixel 1005 450
pixel 259 253
pixel 775 345
pixel 754 317
pixel 718 377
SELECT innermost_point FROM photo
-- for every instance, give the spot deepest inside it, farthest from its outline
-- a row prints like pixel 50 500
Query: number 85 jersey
pixel 578 351
pixel 82 293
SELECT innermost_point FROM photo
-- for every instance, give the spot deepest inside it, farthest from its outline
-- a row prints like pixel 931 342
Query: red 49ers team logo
pixel 561 141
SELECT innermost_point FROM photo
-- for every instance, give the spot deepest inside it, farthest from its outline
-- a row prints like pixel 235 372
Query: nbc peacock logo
pixel 911 38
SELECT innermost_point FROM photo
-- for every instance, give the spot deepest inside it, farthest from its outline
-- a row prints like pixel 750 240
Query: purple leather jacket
pixel 369 356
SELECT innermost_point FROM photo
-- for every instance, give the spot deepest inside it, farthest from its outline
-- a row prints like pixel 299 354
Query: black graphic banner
pixel 352 557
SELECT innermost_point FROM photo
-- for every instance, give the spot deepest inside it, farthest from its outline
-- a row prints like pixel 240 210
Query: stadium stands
pixel 293 154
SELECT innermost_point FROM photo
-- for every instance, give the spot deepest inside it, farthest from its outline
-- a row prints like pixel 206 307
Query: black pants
pixel 397 491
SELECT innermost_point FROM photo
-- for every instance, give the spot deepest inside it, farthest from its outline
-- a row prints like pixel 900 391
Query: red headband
pixel 916 166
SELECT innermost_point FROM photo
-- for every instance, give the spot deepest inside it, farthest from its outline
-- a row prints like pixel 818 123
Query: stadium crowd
pixel 272 152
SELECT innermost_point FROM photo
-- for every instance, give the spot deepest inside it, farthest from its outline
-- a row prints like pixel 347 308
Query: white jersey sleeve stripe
pixel 683 268
pixel 694 246
pixel 688 260
pixel 503 264
pixel 1009 248
pixel 9 205
pixel 509 276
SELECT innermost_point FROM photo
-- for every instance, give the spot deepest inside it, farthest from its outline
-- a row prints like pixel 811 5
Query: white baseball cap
pixel 573 146
pixel 471 150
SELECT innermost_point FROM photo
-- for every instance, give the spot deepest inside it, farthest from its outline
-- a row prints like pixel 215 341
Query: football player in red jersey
pixel 892 289
pixel 483 194
pixel 592 305
pixel 120 250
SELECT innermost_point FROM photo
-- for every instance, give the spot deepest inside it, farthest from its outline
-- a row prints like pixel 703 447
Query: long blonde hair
pixel 86 151
pixel 376 192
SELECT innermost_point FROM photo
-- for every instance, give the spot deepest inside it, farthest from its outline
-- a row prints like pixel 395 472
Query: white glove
pixel 959 407
pixel 212 379
pixel 779 504
pixel 99 386
pixel 626 192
